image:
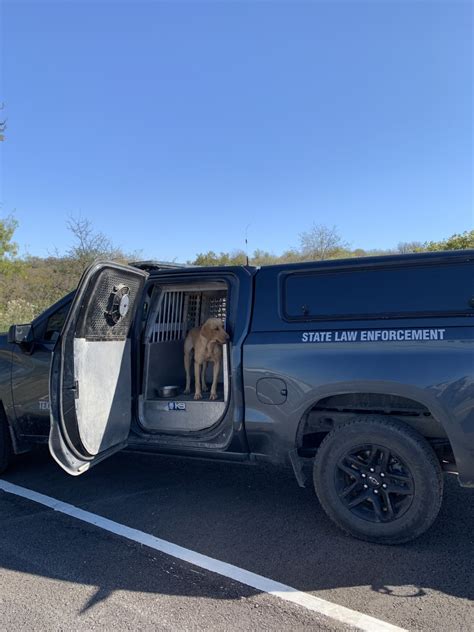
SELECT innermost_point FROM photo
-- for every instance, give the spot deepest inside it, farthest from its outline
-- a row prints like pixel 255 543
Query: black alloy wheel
pixel 374 483
pixel 378 479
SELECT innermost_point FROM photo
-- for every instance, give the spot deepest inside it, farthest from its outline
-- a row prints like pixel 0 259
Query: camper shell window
pixel 378 292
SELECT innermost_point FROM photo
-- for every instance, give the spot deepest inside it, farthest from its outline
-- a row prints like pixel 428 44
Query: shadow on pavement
pixel 255 517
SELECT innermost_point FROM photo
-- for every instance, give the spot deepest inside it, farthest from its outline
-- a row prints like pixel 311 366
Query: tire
pixel 378 480
pixel 5 443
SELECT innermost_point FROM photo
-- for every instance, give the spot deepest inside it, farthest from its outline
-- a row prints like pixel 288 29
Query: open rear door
pixel 90 384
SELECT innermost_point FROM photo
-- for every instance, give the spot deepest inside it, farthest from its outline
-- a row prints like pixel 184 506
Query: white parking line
pixel 263 584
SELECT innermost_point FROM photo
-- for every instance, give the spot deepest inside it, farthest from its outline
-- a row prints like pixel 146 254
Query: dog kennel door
pixel 91 371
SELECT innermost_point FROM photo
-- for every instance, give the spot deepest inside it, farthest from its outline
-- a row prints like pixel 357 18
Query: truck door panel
pixel 91 375
pixel 30 373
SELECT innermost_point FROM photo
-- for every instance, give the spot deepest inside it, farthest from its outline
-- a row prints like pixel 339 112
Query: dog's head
pixel 213 330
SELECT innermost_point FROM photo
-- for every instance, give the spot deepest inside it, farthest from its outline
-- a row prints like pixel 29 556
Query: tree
pixel 34 283
pixel 290 256
pixel 210 258
pixel 8 268
pixel 8 248
pixel 263 258
pixel 89 244
pixel 406 247
pixel 458 241
pixel 321 242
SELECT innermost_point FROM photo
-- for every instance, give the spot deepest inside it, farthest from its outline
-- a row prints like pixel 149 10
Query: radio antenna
pixel 246 244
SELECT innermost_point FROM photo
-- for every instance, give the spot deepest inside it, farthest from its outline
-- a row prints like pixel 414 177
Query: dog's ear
pixel 206 330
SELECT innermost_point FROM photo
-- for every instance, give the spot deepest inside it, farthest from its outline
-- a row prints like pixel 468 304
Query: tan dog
pixel 207 343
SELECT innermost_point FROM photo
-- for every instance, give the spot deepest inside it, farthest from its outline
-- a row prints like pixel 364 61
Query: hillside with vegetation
pixel 29 284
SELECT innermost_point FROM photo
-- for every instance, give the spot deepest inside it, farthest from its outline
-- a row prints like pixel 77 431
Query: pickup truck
pixel 357 373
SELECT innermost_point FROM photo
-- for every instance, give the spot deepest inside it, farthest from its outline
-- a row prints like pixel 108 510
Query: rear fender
pixel 457 421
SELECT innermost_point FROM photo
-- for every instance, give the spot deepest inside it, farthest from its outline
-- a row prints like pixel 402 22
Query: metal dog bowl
pixel 168 391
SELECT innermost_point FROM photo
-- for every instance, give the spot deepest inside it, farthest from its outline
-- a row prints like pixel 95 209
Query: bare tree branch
pixel 3 124
pixel 321 242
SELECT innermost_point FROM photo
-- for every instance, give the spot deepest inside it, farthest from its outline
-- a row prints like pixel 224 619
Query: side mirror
pixel 20 334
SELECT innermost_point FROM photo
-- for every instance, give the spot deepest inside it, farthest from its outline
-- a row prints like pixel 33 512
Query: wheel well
pixel 335 410
pixel 4 420
pixel 17 445
pixel 3 415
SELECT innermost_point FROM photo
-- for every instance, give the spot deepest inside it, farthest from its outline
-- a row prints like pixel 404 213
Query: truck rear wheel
pixel 5 443
pixel 378 480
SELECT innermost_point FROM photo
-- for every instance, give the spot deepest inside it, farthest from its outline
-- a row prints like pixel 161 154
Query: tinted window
pixel 55 322
pixel 379 291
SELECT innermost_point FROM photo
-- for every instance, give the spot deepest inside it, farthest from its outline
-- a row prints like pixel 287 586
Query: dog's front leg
pixel 203 377
pixel 197 379
pixel 187 366
pixel 215 375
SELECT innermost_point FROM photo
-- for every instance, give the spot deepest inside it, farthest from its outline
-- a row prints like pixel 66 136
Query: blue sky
pixel 174 125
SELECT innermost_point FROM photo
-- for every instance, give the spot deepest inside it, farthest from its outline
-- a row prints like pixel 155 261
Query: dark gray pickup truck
pixel 357 372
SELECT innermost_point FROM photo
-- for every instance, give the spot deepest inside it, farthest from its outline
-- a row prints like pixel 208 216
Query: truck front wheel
pixel 378 480
pixel 5 443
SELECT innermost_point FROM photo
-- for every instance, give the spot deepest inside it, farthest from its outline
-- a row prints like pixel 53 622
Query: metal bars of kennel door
pixel 181 310
pixel 170 323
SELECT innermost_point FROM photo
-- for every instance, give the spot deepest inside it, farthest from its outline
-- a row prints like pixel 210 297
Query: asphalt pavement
pixel 57 573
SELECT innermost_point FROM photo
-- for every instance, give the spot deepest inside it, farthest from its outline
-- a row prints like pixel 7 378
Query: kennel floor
pixel 189 397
